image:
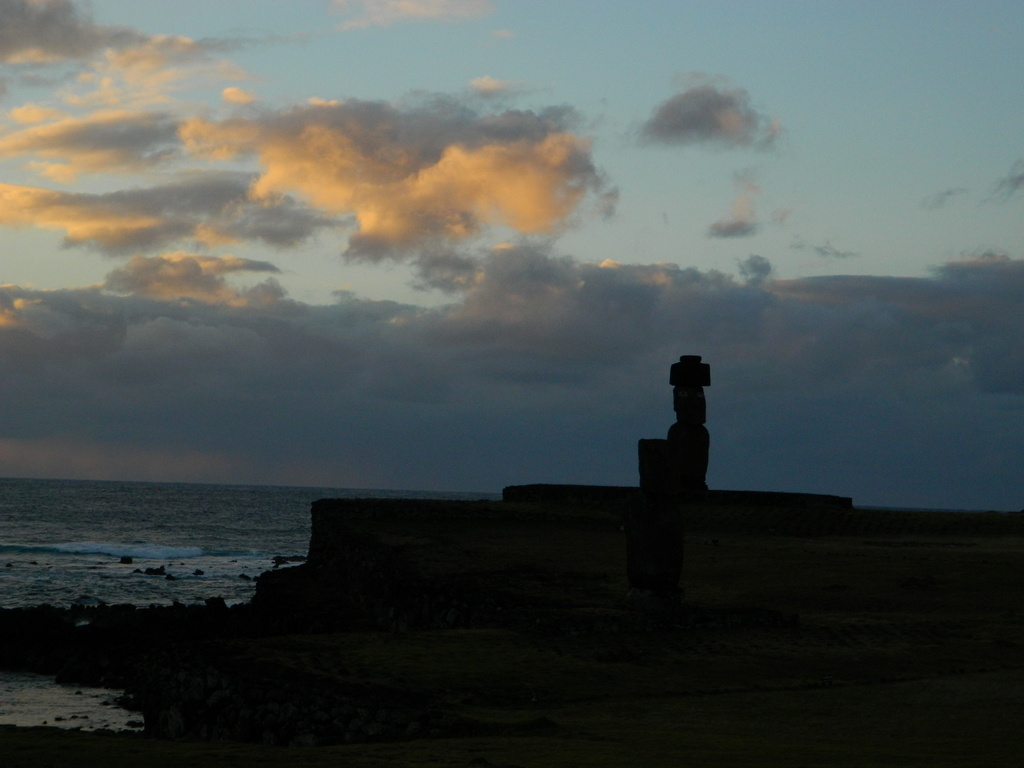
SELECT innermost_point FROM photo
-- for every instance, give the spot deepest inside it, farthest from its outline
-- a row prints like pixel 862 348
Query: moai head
pixel 688 378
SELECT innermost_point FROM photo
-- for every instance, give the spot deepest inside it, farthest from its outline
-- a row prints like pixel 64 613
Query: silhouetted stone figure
pixel 672 472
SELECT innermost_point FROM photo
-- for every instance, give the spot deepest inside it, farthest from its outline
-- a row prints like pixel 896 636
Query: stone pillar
pixel 672 473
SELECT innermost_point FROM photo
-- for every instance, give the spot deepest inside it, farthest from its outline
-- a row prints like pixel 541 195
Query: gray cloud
pixel 106 142
pixel 826 251
pixel 542 369
pixel 55 29
pixel 939 199
pixel 48 31
pixel 755 269
pixel 707 113
pixel 445 269
pixel 1011 185
pixel 732 228
pixel 829 251
pixel 192 276
pixel 279 220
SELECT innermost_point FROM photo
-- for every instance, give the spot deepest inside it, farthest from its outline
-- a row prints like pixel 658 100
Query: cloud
pixel 191 276
pixel 411 175
pixel 964 319
pixel 27 114
pixel 489 87
pixel 829 251
pixel 116 66
pixel 151 72
pixel 237 96
pixel 205 208
pixel 755 269
pixel 374 13
pixel 84 218
pixel 542 369
pixel 104 141
pixel 157 53
pixel 742 219
pixel 939 199
pixel 705 113
pixel 1011 185
pixel 50 30
pixel 734 227
pixel 826 251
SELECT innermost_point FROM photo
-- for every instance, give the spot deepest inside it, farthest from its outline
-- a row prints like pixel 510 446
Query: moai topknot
pixel 672 473
pixel 688 436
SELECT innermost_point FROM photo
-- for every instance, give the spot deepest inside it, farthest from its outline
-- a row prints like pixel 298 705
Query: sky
pixel 456 244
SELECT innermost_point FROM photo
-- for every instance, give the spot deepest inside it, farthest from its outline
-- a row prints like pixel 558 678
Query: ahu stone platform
pixel 557 566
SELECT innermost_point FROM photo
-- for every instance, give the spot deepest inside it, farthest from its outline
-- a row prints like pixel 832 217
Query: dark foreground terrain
pixel 815 636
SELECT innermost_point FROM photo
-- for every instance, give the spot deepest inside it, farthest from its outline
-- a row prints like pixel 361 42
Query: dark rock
pixel 280 560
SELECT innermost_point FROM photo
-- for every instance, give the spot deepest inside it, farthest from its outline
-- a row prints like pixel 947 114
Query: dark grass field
pixel 908 651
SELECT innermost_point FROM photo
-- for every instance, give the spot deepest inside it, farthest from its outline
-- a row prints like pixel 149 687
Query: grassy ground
pixel 908 653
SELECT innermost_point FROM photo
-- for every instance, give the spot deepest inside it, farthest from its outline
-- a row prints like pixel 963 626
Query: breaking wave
pixel 142 551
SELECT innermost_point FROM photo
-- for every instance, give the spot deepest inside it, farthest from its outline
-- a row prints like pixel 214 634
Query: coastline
pixel 882 596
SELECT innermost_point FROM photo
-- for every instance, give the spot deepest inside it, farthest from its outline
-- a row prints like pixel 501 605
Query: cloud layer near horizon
pixel 546 369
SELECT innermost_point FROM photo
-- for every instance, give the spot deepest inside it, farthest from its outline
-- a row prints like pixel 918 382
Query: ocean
pixel 67 542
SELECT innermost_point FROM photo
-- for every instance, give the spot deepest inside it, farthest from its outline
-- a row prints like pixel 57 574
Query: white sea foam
pixel 150 551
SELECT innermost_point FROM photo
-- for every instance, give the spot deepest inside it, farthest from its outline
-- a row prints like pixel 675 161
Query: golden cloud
pixel 111 225
pixel 28 114
pixel 403 179
pixel 202 208
pixel 237 96
pixel 387 12
pixel 149 72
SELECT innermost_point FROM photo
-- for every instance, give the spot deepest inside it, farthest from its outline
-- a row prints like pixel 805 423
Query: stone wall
pixel 351 578
pixel 619 494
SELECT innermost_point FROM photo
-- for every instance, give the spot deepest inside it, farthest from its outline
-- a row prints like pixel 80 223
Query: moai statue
pixel 688 437
pixel 672 473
